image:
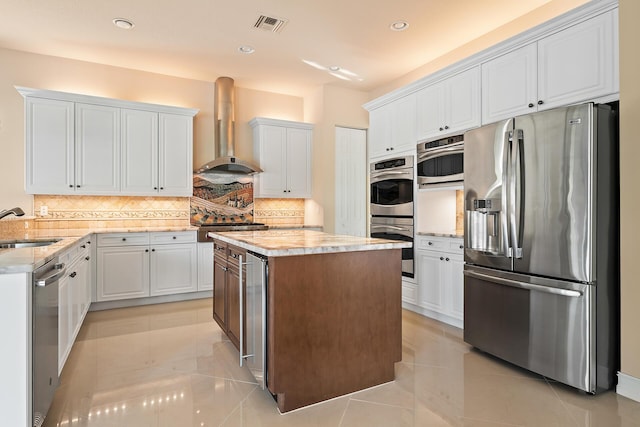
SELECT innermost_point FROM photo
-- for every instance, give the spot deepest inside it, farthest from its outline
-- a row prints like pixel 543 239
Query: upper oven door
pixel 392 192
pixel 442 164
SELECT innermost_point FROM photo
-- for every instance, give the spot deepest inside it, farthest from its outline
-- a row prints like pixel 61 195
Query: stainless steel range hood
pixel 225 161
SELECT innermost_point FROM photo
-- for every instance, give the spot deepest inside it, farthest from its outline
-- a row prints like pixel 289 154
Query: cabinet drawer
pixel 163 238
pixel 443 244
pixel 235 253
pixel 123 239
pixel 220 250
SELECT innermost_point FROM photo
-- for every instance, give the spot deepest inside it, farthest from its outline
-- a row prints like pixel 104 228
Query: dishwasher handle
pixel 58 271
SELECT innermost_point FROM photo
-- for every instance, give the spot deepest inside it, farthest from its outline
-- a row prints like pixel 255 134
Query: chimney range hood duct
pixel 225 161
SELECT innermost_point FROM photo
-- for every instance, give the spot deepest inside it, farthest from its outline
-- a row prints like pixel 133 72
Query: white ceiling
pixel 198 39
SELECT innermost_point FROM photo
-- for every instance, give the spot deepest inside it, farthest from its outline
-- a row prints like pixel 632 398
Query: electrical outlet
pixel 44 210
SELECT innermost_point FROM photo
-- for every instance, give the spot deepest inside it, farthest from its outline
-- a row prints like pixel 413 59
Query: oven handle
pixel 440 153
pixel 375 177
pixel 393 227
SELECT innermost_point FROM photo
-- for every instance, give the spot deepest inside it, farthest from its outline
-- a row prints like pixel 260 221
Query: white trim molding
pixel 628 386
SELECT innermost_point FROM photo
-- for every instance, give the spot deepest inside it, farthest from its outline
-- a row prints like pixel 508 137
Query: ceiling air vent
pixel 270 23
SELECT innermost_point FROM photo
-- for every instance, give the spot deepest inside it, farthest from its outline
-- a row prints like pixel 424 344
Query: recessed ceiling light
pixel 334 68
pixel 125 24
pixel 399 25
pixel 246 49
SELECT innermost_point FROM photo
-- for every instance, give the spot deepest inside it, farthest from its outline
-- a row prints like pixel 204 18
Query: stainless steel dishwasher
pixel 253 346
pixel 45 337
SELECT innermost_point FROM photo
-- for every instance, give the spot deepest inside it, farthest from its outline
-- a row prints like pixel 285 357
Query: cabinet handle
pixel 74 274
pixel 87 258
pixel 88 242
pixel 224 269
pixel 70 185
pixel 441 258
pixel 540 102
pixel 446 259
pixel 430 243
pixel 162 188
pixel 155 188
pixel 174 237
pixel 240 280
pixel 446 127
pixel 153 250
pixel 83 246
pixel 390 148
pixel 124 239
pixel 387 148
pixel 441 128
pixel 77 186
pixel 461 247
pixel 146 250
pixel 531 105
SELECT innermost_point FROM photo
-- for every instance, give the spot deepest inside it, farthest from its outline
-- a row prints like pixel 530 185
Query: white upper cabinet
pixel 175 148
pixel 577 64
pixel 283 151
pixel 392 127
pixel 78 144
pixel 509 84
pixel 97 149
pixel 139 151
pixel 449 106
pixel 50 150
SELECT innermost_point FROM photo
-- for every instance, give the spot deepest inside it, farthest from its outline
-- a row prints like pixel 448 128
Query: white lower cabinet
pixel 439 274
pixel 74 297
pixel 205 266
pixel 136 265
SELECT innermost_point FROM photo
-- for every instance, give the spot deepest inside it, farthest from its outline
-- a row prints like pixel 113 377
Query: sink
pixel 27 243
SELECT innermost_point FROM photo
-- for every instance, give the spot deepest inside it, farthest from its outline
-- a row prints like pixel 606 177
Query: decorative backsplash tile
pixel 111 211
pixel 279 212
pixel 221 199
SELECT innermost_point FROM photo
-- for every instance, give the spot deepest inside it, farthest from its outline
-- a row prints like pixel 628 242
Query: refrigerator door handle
pixel 523 285
pixel 516 190
pixel 504 217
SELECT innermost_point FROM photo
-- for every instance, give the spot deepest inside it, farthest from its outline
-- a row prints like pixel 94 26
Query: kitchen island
pixel 333 311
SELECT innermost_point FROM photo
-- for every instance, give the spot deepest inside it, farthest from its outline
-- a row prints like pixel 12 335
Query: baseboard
pixel 107 305
pixel 628 386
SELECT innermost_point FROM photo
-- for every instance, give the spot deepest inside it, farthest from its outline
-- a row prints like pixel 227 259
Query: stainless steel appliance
pixel 45 337
pixel 440 161
pixel 392 187
pixel 391 205
pixel 541 243
pixel 396 229
pixel 253 345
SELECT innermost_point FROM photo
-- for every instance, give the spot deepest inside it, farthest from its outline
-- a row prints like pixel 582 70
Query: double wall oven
pixel 391 204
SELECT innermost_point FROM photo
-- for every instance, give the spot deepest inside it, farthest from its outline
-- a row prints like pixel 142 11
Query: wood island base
pixel 334 324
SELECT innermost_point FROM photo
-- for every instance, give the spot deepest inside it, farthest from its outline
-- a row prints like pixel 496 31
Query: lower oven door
pixel 396 229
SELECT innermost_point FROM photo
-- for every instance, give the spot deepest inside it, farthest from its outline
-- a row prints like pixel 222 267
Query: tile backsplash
pixel 279 212
pixel 111 211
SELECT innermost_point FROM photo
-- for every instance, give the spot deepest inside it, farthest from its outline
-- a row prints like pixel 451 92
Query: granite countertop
pixel 25 260
pixel 452 233
pixel 303 242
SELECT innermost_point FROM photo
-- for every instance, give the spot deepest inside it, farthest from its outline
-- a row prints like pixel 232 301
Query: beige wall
pixel 629 180
pixel 48 72
pixel 328 107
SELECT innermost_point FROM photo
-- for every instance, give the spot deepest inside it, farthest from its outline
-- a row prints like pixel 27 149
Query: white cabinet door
pixel 272 182
pixel 175 149
pixel 122 272
pixel 455 267
pixel 173 269
pixel 430 289
pixel 379 131
pixel 64 321
pixel 462 101
pixel 49 146
pixel 403 124
pixel 450 106
pixel 283 151
pixel 509 84
pixel 579 63
pixel 205 266
pixel 97 153
pixel 298 161
pixel 430 114
pixel 139 152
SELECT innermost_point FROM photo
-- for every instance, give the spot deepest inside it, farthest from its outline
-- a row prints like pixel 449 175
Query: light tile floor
pixel 170 365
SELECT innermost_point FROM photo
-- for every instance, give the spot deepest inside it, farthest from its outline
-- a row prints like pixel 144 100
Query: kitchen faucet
pixel 15 211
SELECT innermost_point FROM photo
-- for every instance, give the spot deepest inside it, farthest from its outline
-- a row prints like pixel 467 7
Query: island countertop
pixel 303 242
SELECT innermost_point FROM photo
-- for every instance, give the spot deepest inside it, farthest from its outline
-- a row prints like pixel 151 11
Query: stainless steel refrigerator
pixel 541 243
